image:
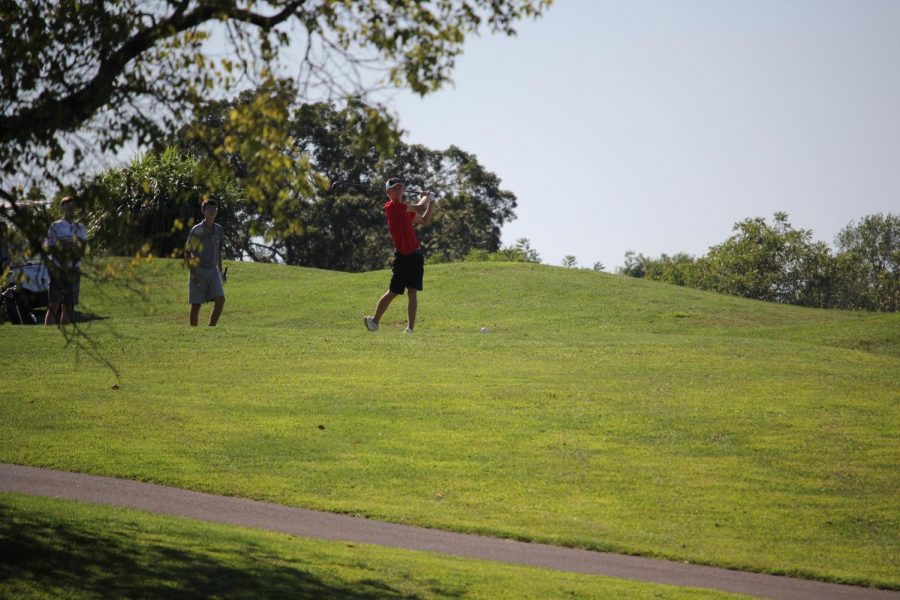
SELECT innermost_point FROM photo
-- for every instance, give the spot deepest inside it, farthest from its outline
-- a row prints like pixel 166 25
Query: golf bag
pixel 26 290
pixel 15 306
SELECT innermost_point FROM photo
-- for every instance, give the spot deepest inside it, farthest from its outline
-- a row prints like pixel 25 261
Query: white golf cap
pixel 392 182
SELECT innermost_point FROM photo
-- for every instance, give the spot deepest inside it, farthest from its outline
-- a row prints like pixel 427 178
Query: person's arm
pixel 50 240
pixel 221 247
pixel 424 209
pixel 81 244
pixel 189 257
pixel 420 206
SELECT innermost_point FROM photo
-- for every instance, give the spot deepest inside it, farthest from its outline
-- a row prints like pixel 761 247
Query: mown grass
pixel 54 549
pixel 600 411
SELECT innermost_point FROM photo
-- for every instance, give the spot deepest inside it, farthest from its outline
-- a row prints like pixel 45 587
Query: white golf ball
pixel 484 330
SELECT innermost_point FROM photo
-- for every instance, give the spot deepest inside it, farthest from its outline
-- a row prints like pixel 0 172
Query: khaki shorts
pixel 207 287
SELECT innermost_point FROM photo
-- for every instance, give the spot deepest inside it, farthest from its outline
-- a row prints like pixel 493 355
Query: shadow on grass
pixel 38 553
pixel 87 317
pixel 36 317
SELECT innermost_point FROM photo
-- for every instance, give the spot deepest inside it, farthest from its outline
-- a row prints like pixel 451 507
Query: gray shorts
pixel 207 287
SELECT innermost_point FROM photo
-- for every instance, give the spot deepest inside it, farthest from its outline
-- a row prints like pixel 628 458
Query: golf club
pixel 365 186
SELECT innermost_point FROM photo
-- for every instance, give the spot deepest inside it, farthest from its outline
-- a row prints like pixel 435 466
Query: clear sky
pixel 655 125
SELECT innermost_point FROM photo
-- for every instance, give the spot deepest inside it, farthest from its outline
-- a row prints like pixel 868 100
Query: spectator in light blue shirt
pixel 65 245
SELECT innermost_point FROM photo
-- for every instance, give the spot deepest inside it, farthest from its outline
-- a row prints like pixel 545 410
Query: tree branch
pixel 51 114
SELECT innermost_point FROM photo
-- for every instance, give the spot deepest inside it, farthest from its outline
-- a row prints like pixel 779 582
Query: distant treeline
pixel 779 263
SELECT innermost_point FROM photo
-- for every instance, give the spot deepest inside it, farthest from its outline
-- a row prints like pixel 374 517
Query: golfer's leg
pixel 218 303
pixel 383 304
pixel 65 314
pixel 195 314
pixel 411 308
pixel 50 317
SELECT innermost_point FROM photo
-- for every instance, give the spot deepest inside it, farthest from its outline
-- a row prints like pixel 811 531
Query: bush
pixel 781 264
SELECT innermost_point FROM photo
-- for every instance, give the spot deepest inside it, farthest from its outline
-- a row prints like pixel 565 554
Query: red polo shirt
pixel 400 225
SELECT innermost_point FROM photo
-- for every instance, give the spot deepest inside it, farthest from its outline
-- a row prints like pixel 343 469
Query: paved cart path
pixel 329 526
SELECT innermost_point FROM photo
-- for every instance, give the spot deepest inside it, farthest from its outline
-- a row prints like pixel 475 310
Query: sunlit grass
pixel 600 411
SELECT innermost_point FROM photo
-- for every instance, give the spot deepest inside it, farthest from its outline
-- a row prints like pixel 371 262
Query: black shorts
pixel 408 272
pixel 64 288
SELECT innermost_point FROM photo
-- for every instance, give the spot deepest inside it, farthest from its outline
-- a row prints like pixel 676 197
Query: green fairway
pixel 54 549
pixel 600 411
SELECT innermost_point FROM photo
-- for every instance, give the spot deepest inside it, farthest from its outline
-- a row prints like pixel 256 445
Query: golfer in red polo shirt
pixel 409 264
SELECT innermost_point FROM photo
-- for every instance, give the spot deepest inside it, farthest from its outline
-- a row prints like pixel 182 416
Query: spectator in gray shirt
pixel 203 255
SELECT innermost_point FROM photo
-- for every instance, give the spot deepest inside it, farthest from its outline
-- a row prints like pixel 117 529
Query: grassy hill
pixel 600 411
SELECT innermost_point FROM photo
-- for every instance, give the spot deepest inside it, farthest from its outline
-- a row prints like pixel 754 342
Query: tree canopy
pixel 80 81
pixel 149 206
pixel 868 260
pixel 341 230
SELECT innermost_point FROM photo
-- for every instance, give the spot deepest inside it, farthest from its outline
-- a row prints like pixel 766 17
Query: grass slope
pixel 601 411
pixel 55 549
